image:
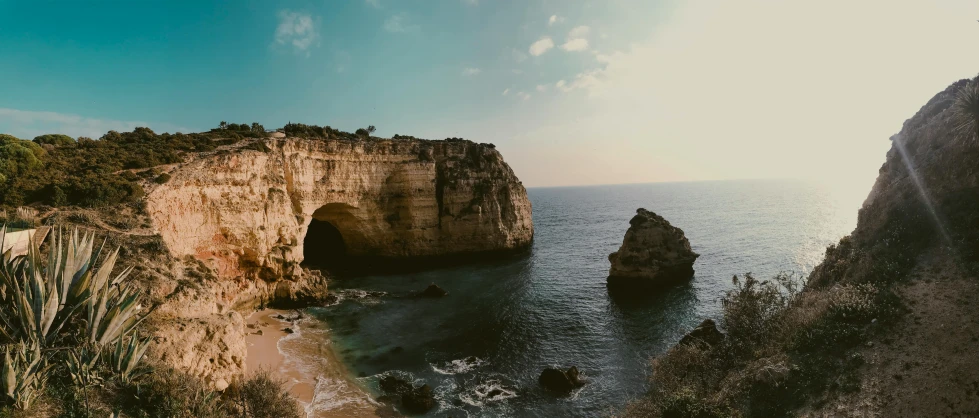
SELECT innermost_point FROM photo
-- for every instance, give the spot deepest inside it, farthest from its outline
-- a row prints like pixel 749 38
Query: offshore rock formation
pixel 653 253
pixel 235 223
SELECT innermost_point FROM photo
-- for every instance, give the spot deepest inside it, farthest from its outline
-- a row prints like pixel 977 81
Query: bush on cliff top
pixel 58 170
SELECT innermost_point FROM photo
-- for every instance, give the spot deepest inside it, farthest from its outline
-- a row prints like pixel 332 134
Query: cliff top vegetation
pixel 59 170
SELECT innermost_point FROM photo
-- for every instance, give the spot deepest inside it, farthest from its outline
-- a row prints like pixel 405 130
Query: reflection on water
pixel 483 346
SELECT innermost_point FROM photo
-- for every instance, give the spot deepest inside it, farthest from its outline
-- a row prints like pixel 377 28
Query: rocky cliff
pixel 246 213
pixel 236 221
pixel 885 326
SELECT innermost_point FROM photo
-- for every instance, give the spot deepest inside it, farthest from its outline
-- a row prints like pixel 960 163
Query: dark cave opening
pixel 323 246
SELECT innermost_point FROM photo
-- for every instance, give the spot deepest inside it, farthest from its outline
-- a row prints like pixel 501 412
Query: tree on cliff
pixel 966 109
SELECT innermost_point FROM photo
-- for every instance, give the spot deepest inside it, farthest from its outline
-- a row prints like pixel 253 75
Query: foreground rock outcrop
pixel 885 326
pixel 653 254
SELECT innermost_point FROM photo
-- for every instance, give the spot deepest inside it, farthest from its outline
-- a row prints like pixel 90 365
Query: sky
pixel 572 92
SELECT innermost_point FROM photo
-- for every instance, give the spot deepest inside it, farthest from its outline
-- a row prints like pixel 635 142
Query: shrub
pixel 261 396
pixel 170 393
pixel 162 178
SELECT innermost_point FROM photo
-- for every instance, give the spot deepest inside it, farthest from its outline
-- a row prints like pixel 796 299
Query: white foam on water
pixel 459 366
pixel 487 392
pixel 305 353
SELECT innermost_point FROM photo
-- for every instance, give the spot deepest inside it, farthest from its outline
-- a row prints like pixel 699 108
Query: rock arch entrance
pixel 323 246
pixel 334 235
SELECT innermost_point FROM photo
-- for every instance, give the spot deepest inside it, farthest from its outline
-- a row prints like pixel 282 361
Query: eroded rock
pixel 561 381
pixel 433 291
pixel 653 254
pixel 706 335
pixel 419 400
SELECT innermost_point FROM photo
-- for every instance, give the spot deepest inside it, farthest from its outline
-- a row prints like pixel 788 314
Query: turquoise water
pixel 504 321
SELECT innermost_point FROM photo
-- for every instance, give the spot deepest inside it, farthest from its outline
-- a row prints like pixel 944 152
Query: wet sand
pixel 311 370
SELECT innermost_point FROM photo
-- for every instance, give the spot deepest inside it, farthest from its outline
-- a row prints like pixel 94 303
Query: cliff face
pixel 235 222
pixel 927 192
pixel 885 326
pixel 247 213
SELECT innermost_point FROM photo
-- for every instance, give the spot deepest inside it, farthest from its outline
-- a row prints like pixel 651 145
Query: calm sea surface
pixel 483 346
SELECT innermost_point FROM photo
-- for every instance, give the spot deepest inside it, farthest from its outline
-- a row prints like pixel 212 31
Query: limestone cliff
pixel 246 213
pixel 235 222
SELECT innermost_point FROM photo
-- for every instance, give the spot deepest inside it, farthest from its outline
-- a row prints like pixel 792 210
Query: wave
pixel 363 296
pixel 459 366
pixel 489 391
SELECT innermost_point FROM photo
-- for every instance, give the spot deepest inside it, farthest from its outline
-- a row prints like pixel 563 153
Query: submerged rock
pixel 418 401
pixel 705 334
pixel 558 380
pixel 653 253
pixel 395 385
pixel 433 291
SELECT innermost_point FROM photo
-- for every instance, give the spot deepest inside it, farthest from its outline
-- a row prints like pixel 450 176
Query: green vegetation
pixel 781 347
pixel 61 307
pixel 68 328
pixel 57 170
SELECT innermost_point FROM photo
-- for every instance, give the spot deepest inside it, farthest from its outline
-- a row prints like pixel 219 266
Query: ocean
pixel 482 347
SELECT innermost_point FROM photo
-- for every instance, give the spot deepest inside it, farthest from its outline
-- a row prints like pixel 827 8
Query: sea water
pixel 482 347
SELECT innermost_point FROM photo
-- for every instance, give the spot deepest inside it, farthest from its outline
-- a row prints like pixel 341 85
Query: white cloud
pixel 523 95
pixel 374 3
pixel 577 39
pixel 471 2
pixel 541 88
pixel 578 44
pixel 27 124
pixel 541 46
pixel 506 92
pixel 296 29
pixel 579 32
pixel 516 71
pixel 399 23
pixel 470 71
pixel 554 19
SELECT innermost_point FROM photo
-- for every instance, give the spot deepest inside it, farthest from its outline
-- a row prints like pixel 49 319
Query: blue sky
pixel 572 92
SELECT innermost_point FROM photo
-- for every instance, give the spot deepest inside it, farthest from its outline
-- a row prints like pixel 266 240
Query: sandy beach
pixel 305 361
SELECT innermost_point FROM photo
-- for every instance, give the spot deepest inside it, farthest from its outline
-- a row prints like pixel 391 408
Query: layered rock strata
pixel 653 253
pixel 237 221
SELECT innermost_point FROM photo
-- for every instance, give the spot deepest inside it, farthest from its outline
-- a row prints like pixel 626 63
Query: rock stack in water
pixel 653 254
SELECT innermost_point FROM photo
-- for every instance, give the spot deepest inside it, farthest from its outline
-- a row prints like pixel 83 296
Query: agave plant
pixel 83 365
pixel 25 373
pixel 125 358
pixel 966 109
pixel 39 298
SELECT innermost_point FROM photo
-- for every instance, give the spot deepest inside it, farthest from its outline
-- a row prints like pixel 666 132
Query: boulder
pixel 558 380
pixel 653 254
pixel 706 334
pixel 395 385
pixel 433 291
pixel 418 401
